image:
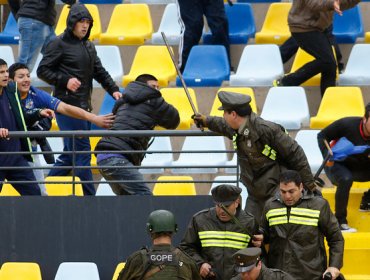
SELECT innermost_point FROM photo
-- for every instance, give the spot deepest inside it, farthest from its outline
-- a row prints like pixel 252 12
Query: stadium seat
pixel 104 189
pixel 36 81
pixel 107 104
pixel 20 271
pixel 174 188
pixel 158 159
pixel 307 139
pixel 93 142
pixel 77 271
pixel 241 24
pixel 63 189
pixel 169 25
pixel 154 60
pixel 259 65
pixel 198 163
pixel 231 181
pixel 94 11
pixel 97 2
pixel 130 24
pixel 337 103
pixel 8 190
pixel 110 58
pixel 10 34
pixel 275 28
pixel 6 53
pixel 150 2
pixel 242 90
pixel 349 26
pixel 178 98
pixel 287 106
pixel 356 72
pixel 367 36
pixel 118 269
pixel 207 66
pixel 232 162
pixel 257 1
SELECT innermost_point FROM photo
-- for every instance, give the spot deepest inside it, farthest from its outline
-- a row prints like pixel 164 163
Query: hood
pixel 138 92
pixel 76 13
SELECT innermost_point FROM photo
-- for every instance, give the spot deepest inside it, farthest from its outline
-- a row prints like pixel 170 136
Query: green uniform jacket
pixel 135 265
pixel 296 237
pixel 208 240
pixel 269 274
pixel 264 149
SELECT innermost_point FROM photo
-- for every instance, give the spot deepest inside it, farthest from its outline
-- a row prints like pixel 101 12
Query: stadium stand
pixel 10 34
pixel 169 25
pixel 20 270
pixel 349 26
pixel 174 188
pixel 64 188
pixel 157 159
pixel 104 189
pixel 77 271
pixel 307 139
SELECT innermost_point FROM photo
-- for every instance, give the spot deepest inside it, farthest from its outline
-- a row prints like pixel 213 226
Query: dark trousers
pixel 20 175
pixel 191 13
pixel 319 46
pixel 343 177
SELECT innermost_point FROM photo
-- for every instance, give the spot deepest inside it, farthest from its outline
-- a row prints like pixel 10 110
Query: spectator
pixel 70 63
pixel 263 148
pixel 12 119
pixel 215 234
pixel 162 261
pixel 353 168
pixel 36 20
pixel 294 224
pixel 141 107
pixel 191 20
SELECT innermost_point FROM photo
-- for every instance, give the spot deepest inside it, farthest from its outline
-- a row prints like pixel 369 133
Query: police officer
pixel 162 261
pixel 263 148
pixel 215 234
pixel 250 267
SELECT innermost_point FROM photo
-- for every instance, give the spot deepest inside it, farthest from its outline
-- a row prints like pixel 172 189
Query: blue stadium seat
pixel 10 34
pixel 241 24
pixel 349 26
pixel 207 65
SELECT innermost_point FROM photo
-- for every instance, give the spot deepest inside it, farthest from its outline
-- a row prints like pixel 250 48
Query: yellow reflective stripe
pixel 223 243
pixel 224 235
pixel 276 212
pixel 303 221
pixel 269 152
pixel 305 212
pixel 278 221
pixel 235 145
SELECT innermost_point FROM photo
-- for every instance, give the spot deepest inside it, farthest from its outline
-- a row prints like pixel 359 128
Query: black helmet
pixel 161 221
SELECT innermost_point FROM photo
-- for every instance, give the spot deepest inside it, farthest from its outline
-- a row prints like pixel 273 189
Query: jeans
pixel 34 37
pixel 81 144
pixel 126 188
pixel 342 176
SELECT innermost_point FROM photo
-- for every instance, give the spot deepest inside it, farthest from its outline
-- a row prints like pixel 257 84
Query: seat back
pixel 157 159
pixel 8 190
pixel 118 269
pixel 10 34
pixel 231 180
pixel 275 29
pixel 348 26
pixel 20 271
pixel 100 2
pixel 7 54
pixel 54 188
pixel 104 189
pixel 183 188
pixel 169 25
pixel 36 81
pixel 77 271
pixel 307 139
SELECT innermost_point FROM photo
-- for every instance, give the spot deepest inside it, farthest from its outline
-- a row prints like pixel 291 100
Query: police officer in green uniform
pixel 250 267
pixel 162 261
pixel 263 148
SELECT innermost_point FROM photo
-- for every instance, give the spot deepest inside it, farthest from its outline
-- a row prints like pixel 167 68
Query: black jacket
pixel 140 108
pixel 67 56
pixel 41 10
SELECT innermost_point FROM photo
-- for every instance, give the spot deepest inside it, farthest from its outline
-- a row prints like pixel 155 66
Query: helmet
pixel 161 221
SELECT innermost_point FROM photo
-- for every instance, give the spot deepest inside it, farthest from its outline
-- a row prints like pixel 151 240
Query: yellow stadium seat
pixel 20 271
pixel 275 28
pixel 93 142
pixel 174 188
pixel 242 90
pixel 130 24
pixel 94 11
pixel 357 277
pixel 337 103
pixel 119 267
pixel 8 190
pixel 54 125
pixel 62 189
pixel 367 40
pixel 154 60
pixel 177 97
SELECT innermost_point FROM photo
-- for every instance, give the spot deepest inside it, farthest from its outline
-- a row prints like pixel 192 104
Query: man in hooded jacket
pixel 70 63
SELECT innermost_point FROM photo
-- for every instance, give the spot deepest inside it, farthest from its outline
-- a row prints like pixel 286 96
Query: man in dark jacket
pixel 215 234
pixel 141 107
pixel 36 20
pixel 70 63
pixel 294 224
pixel 263 148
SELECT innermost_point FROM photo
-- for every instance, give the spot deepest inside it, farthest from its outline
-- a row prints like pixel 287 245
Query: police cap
pixel 233 101
pixel 246 259
pixel 225 194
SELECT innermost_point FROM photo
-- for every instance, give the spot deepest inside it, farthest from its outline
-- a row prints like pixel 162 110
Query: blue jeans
pixel 81 144
pixel 35 35
pixel 126 188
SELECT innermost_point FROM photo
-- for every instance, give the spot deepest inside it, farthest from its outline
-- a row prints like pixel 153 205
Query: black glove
pixel 199 120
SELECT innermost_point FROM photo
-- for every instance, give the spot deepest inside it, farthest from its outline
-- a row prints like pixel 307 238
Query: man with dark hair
pixel 354 167
pixel 162 261
pixel 12 119
pixel 263 148
pixel 294 224
pixel 70 63
pixel 141 107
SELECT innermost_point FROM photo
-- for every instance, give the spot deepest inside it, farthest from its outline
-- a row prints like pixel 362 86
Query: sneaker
pixel 346 228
